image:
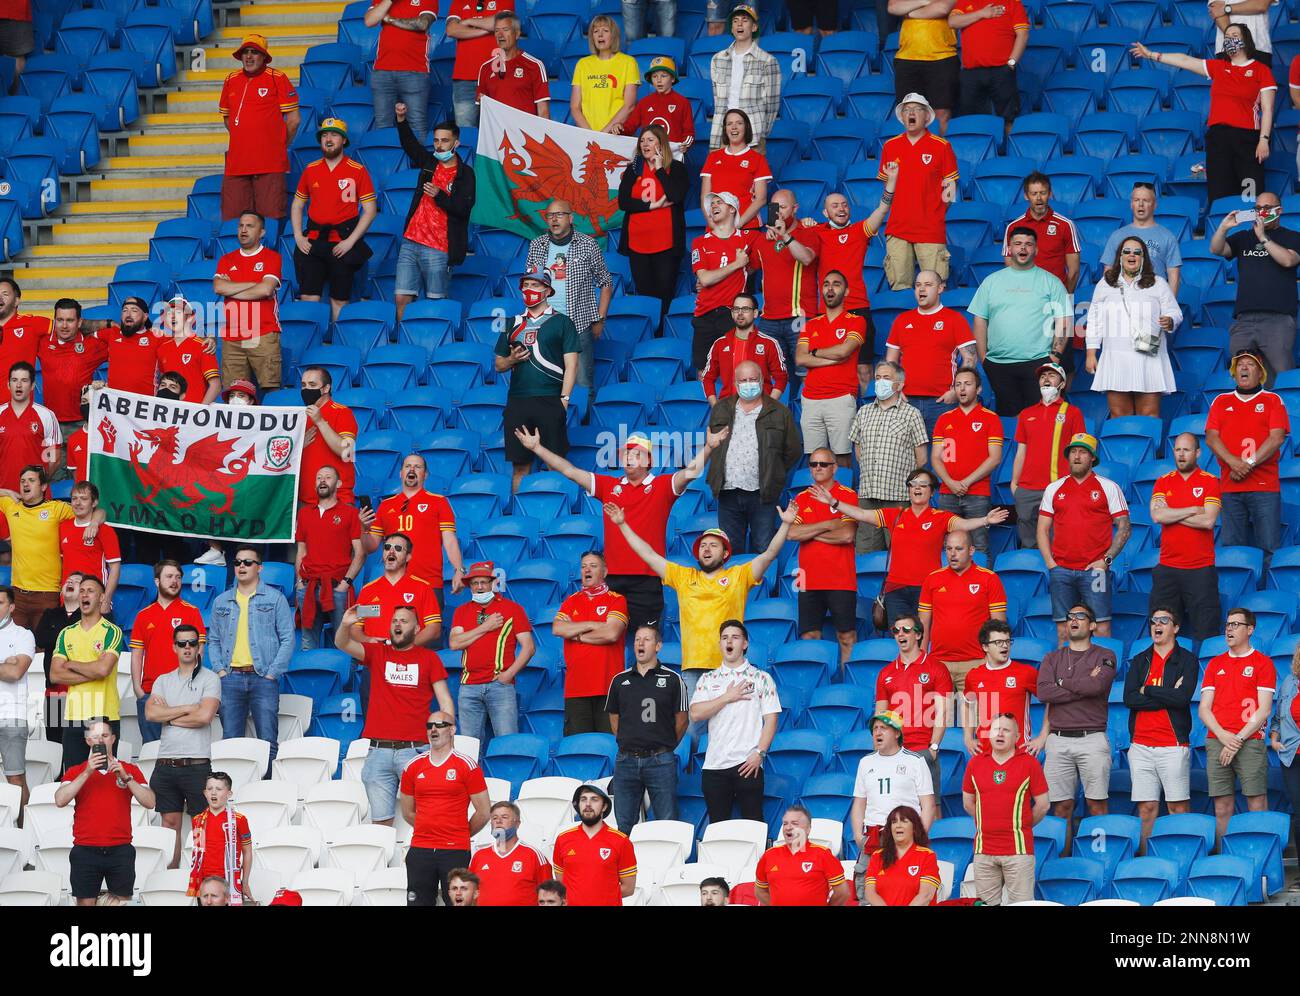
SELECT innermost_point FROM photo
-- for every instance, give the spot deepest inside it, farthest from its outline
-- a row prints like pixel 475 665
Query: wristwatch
pixel 1250 461
pixel 349 580
pixel 1227 8
pixel 1011 63
pixel 760 752
pixel 835 505
pixel 1108 558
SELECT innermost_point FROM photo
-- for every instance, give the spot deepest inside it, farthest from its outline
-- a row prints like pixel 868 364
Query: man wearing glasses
pixel 744 344
pixel 250 642
pixel 436 792
pixel 917 689
pixel 999 687
pixel 404 679
pixel 827 582
pixel 1158 691
pixel 1162 245
pixel 183 703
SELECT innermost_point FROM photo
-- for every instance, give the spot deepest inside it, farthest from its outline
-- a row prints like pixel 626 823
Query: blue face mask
pixel 445 157
pixel 749 390
pixel 503 835
pixel 884 389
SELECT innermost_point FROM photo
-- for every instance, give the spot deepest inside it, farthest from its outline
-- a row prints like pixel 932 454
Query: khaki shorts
pixel 904 259
pixel 259 357
pixel 1160 769
pixel 1071 759
pixel 1249 765
pixel 994 872
pixel 825 422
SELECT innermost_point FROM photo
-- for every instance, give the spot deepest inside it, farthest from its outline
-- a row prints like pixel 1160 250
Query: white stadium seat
pixel 244 759
pixel 324 886
pixel 167 887
pixel 469 746
pixel 548 802
pixel 1186 901
pixel 44 762
pixel 43 818
pixel 11 800
pixel 334 805
pixel 1111 902
pixel 294 716
pixel 498 789
pixel 360 849
pixel 306 761
pixel 287 850
pixel 661 844
pixel 154 847
pixel 828 833
pixel 355 760
pixel 15 850
pixel 680 885
pixel 148 759
pixel 30 888
pixel 385 887
pixel 53 854
pixel 266 805
pixel 733 844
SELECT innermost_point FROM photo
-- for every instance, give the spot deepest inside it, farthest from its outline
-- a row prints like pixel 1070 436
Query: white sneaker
pixel 212 556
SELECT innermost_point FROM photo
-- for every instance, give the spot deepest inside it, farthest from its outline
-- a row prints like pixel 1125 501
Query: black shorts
pixel 314 272
pixel 93 867
pixel 985 85
pixel 935 80
pixel 814 605
pixel 868 348
pixel 17 37
pixel 543 415
pixel 178 789
pixel 803 12
pixel 427 869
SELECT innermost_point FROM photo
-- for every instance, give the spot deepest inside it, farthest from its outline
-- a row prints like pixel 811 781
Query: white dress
pixel 1115 313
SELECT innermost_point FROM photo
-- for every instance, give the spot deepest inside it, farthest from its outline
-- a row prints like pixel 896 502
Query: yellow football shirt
pixel 705 602
pixel 91 698
pixel 34 533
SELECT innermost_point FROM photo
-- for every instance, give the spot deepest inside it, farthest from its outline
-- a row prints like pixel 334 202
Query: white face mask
pixel 482 597
pixel 239 400
pixel 1050 393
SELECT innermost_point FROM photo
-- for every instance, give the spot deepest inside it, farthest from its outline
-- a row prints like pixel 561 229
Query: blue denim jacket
pixel 270 631
pixel 1288 732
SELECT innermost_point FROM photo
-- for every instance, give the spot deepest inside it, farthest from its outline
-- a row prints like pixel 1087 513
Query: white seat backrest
pixel 324 886
pixel 147 759
pixel 553 814
pixel 46 820
pixel 53 855
pixel 356 759
pixel 306 761
pixel 498 789
pixel 361 849
pixel 385 887
pixel 154 847
pixel 244 759
pixel 264 881
pixel 30 888
pixel 167 887
pixel 551 787
pixel 828 833
pixel 678 831
pixel 1185 901
pixel 469 746
pixel 15 849
pixel 44 762
pixel 287 850
pixel 294 716
pixel 1111 902
pixel 946 871
pixel 750 831
pixel 11 800
pixel 331 806
pixel 1034 902
pixel 680 885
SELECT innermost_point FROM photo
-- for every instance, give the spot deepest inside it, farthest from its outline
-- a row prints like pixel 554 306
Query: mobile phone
pixel 1244 216
pixel 773 214
pixel 364 502
pixel 367 611
pixel 98 751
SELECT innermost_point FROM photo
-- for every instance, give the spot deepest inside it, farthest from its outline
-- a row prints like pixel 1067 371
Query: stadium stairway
pixel 147 172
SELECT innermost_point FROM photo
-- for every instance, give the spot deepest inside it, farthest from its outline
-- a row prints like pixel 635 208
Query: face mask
pixel 503 835
pixel 1233 45
pixel 1270 214
pixel 533 296
pixel 1050 393
pixel 239 400
pixel 85 411
pixel 310 395
pixel 445 157
pixel 749 390
pixel 884 389
pixel 169 395
pixel 481 597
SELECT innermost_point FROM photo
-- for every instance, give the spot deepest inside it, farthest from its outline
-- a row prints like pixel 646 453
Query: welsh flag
pixel 208 471
pixel 524 162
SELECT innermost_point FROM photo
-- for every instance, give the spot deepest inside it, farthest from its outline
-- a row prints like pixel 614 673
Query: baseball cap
pixel 747 10
pixel 727 198
pixel 662 62
pixel 244 386
pixel 1056 368
pixel 889 717
pixel 253 40
pixel 483 569
pixel 542 276
pixel 336 125
pixel 1084 441
pixel 286 897
pixel 715 532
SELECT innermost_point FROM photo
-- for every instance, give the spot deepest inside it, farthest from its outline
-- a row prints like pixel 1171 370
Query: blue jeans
pixel 969 506
pixel 1252 518
pixel 749 523
pixel 420 266
pixel 634 777
pixel 463 93
pixel 149 732
pixel 786 332
pixel 930 410
pixel 381 775
pixel 311 637
pixel 389 86
pixel 493 702
pixel 1069 588
pixel 634 18
pixel 901 602
pixel 243 692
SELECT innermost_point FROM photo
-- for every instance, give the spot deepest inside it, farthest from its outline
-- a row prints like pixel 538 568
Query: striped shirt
pixel 886 440
pixel 760 90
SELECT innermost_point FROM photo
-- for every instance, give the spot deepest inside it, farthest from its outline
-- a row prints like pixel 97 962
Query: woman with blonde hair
pixel 605 82
pixel 1284 737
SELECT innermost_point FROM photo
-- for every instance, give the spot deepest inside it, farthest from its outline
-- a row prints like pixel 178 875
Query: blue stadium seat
pixel 1284 568
pixel 999 181
pixel 545 496
pixel 379 455
pixel 1138 16
pixel 150 36
pixel 1049 50
pixel 281 576
pixel 1192 94
pixel 429 324
pixel 1109 839
pixel 421 410
pixel 972 224
pixel 845 55
pixel 45 78
pixel 810 182
pixel 1073 94
pixel 1095 220
pixel 566 538
pixel 144 279
pixel 1146 881
pixel 516 757
pixel 622 405
pixel 771 621
pixel 1106 134
pixel 975 137
pixel 1259 838
pixel 1131 440
pixel 480 497
pixel 1239 569
pixel 1224 878
pixel 333 66
pixel 953 840
pixel 1275 612
pixel 480 409
pixel 318 674
pixel 1140 92
pixel 1050 835
pixel 343 362
pixel 535 584
pixel 1039 136
pixel 1105 50
pixel 74 122
pixel 1171 134
pixel 658 362
pixel 35 164
pixel 556 21
pixel 1182 838
pixel 204 200
pixel 837 709
pixel 1124 171
pixel 632 318
pixel 196 20
pixel 871 98
pixel 805 663
pixel 586 756
pixel 829 796
pixel 839 141
pixel 458 366
pixel 450 453
pixel 683 406
pixel 1073 16
pixel 1074 179
pixel 508 541
pixel 178 241
pixel 800 754
pixel 1072 881
pixel 812 99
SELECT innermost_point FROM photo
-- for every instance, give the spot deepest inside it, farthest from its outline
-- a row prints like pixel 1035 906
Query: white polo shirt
pixel 890 781
pixel 735 730
pixel 14 640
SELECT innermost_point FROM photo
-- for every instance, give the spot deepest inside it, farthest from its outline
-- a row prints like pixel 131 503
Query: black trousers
pixel 709 328
pixel 655 275
pixel 1014 384
pixel 725 791
pixel 585 714
pixel 1192 594
pixel 427 869
pixel 645 599
pixel 1230 165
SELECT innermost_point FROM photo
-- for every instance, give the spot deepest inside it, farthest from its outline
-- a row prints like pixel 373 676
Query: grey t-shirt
pixel 177 690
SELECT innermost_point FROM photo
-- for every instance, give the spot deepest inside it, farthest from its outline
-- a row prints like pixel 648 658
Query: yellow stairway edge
pixel 172 205
pixel 140 249
pixel 219 75
pixel 181 138
pixel 85 295
pixel 157 162
pixel 142 183
pixel 236 33
pixel 102 227
pixel 179 118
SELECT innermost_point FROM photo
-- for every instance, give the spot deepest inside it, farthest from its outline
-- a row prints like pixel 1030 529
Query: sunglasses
pixel 1132 252
pixel 1077 616
pixel 186 643
pixel 438 726
pixel 821 463
pixel 1162 620
pixel 399 547
pixel 243 562
pixel 903 629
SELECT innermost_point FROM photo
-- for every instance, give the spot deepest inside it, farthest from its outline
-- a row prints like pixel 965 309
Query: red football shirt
pixel 189 359
pixel 408 590
pixel 67 367
pixel 317 454
pixel 1235 92
pixel 401 691
pixel 1180 545
pixel 84 556
pixel 919 208
pixel 1057 238
pixel 254 108
pixel 650 231
pixel 916 692
pixel 592 867
pixel 1236 683
pixel 736 173
pixel 843 249
pixel 20 338
pixel 825 566
pixel 423 517
pixel 471 52
pixel 522 86
pixel 840 379
pixel 646 507
pixel 710 252
pixel 994 691
pixel 247 319
pixel 928 344
pixel 1004 797
pixel 670 110
pixel 78 446
pixel 1045 431
pixel 959 604
pixel 916 543
pixel 400 50
pixel 965 439
pixel 731 351
pixel 1243 424
pixel 1083 513
pixel 16 10
pixel 328 536
pixel 491 653
pixel 27 437
pixel 442 795
pixel 803 879
pixel 209 836
pixel 509 879
pixel 590 667
pixel 101 814
pixel 152 635
pixel 901 882
pixel 1151 727
pixel 132 359
pixel 334 193
pixel 988 42
pixel 789 287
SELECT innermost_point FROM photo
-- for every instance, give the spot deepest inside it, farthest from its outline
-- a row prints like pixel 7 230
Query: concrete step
pixel 54 275
pixel 181 122
pixel 265 15
pixel 285 56
pixel 120 187
pixel 206 161
pixel 77 234
pixel 119 210
pixel 216 75
pixel 90 252
pixel 323 25
pixel 153 144
pixel 40 301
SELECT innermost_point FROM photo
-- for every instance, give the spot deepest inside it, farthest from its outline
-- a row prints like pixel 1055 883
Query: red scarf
pixel 233 867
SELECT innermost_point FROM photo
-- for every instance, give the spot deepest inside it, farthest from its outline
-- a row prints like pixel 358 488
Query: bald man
pixel 789 279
